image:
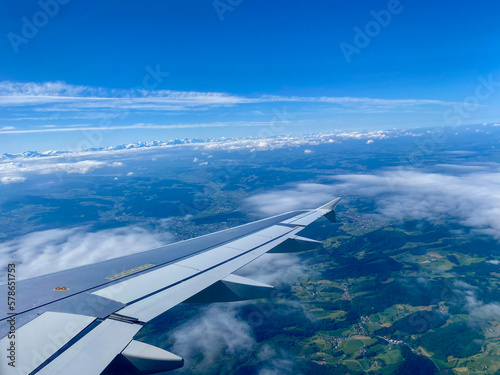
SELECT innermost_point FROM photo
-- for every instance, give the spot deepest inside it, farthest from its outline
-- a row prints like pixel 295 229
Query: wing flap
pixel 94 351
pixel 35 342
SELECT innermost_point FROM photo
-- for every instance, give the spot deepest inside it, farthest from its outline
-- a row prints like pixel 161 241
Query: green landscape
pixel 384 299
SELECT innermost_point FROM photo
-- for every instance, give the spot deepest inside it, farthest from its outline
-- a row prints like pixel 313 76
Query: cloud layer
pixel 54 107
pixel 16 172
pixel 64 96
pixel 472 197
pixel 216 332
pixel 476 307
pixel 15 168
pixel 48 251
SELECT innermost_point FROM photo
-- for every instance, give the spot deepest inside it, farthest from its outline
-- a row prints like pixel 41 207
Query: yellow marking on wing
pixel 61 289
pixel 129 272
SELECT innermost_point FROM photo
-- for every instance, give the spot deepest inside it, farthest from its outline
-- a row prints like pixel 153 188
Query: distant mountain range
pixel 270 142
pixel 139 144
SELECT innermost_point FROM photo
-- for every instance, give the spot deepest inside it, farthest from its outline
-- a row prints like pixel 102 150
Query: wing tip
pixel 330 205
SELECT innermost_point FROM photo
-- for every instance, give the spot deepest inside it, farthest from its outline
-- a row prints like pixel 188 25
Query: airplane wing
pixel 83 320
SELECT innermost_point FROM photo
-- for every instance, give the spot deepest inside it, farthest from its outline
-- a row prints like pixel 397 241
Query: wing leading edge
pixel 83 321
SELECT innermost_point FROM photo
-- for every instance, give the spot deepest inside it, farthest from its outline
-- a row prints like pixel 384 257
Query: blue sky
pixel 76 74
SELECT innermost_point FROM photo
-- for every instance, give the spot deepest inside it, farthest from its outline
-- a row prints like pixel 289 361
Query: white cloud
pixel 79 101
pixel 80 167
pixel 494 261
pixel 490 311
pixel 224 144
pixel 477 308
pixel 280 366
pixel 72 97
pixel 12 179
pixel 216 332
pixel 288 141
pixel 217 339
pixel 61 92
pixel 88 127
pixel 302 196
pixel 307 151
pixel 275 269
pixel 348 100
pixel 12 172
pixel 130 173
pixel 472 198
pixel 370 141
pixel 43 252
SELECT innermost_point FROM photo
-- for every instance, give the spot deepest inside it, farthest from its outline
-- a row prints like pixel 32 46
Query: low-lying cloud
pixel 224 144
pixel 15 172
pixel 217 339
pixel 471 196
pixel 276 269
pixel 47 251
pixel 216 332
pixel 6 180
pixel 476 307
pixel 302 196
